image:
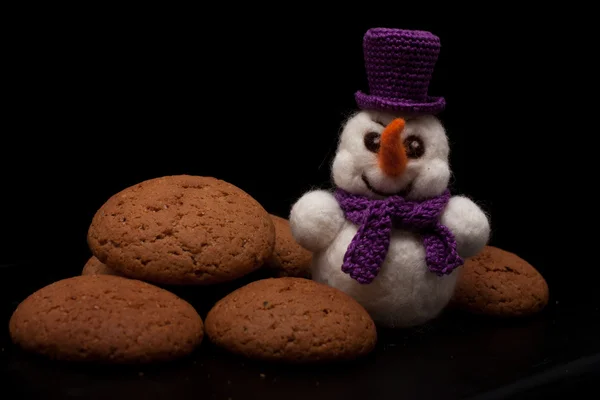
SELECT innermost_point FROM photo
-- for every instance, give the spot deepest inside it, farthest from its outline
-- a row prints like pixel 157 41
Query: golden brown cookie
pixel 291 320
pixel 94 267
pixel 107 319
pixel 288 258
pixel 181 230
pixel 497 282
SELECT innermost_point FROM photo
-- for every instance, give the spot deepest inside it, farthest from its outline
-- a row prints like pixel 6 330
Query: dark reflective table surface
pixel 456 356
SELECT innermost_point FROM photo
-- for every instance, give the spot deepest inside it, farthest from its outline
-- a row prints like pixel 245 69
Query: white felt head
pixel 425 176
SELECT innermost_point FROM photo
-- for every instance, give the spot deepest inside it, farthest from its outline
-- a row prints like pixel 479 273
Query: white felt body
pixel 405 293
pixel 315 220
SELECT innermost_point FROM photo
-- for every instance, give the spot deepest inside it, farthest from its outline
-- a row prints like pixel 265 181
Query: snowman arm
pixel 315 220
pixel 468 223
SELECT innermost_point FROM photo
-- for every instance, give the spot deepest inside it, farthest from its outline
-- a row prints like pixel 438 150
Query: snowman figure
pixel 390 235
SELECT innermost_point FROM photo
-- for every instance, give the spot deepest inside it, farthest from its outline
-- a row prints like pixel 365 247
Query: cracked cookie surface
pixel 288 258
pixel 93 266
pixel 107 319
pixel 498 282
pixel 291 320
pixel 182 230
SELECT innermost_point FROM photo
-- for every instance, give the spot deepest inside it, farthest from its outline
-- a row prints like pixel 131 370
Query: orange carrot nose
pixel 392 156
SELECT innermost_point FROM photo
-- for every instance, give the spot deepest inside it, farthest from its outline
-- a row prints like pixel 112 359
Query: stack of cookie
pixel 182 230
pixel 187 230
pixel 164 234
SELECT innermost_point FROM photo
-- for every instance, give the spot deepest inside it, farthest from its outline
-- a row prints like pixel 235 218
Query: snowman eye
pixel 414 147
pixel 371 141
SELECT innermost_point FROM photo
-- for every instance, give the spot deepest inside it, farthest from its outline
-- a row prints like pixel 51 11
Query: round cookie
pixel 499 283
pixel 106 319
pixel 94 267
pixel 291 320
pixel 182 230
pixel 288 258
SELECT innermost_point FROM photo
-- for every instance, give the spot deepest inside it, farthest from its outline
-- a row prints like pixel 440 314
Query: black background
pixel 98 101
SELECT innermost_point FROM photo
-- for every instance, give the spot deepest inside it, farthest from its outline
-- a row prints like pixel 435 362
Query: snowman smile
pixel 403 193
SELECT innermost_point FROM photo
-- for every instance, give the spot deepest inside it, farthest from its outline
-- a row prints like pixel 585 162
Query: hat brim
pixel 433 105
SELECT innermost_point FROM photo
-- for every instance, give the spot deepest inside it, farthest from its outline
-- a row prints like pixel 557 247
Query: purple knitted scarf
pixel 375 219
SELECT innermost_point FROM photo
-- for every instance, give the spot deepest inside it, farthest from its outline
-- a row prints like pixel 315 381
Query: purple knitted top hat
pixel 399 65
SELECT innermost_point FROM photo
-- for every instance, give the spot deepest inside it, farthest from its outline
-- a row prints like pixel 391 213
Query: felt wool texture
pixel 428 175
pixel 315 220
pixel 468 223
pixel 405 291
